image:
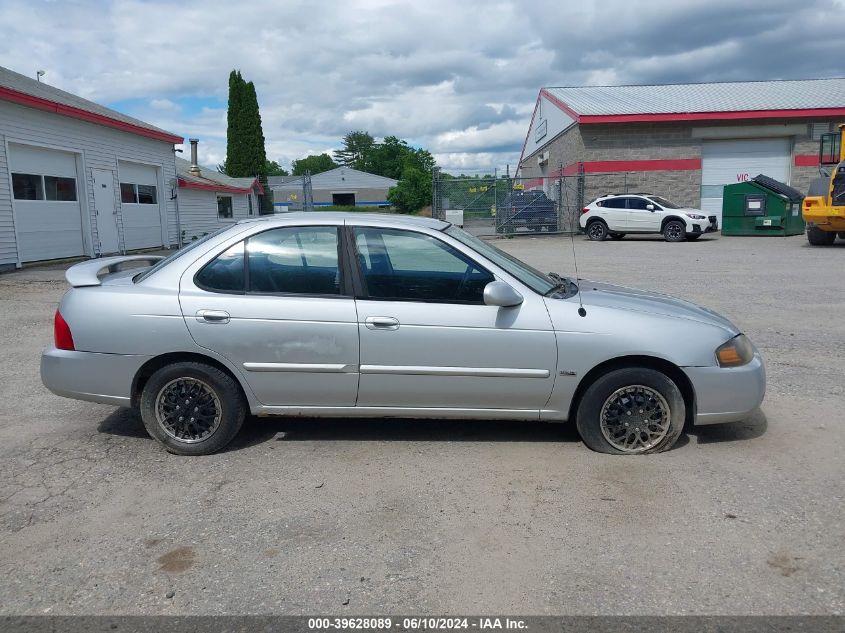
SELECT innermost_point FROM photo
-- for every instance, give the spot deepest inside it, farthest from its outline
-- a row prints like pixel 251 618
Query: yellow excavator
pixel 824 206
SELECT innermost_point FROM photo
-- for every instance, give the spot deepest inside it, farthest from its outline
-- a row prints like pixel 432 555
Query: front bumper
pixel 702 226
pixel 727 394
pixel 104 378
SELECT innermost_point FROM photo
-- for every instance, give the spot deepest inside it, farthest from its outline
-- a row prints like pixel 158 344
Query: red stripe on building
pixel 610 166
pixel 7 94
pixel 806 160
pixel 187 184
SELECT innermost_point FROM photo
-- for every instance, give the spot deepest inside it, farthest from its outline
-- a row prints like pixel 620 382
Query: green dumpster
pixel 761 206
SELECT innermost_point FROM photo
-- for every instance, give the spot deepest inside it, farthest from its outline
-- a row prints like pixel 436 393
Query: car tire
pixel 691 237
pixel 597 231
pixel 206 390
pixel 817 237
pixel 674 231
pixel 624 397
pixel 617 236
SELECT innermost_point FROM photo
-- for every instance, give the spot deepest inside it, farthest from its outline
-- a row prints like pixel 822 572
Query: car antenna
pixel 582 311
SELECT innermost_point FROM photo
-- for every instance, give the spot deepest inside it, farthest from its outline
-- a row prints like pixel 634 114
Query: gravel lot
pixel 353 517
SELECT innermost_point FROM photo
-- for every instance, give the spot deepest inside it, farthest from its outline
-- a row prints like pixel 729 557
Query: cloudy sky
pixel 458 78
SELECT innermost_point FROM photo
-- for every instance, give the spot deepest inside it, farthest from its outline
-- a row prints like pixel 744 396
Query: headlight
pixel 695 216
pixel 738 351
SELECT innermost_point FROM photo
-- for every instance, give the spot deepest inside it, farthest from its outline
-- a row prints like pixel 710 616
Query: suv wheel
pixel 192 408
pixel 597 231
pixel 631 411
pixel 674 231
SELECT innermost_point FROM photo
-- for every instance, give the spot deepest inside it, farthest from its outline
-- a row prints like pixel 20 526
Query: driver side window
pixel 407 266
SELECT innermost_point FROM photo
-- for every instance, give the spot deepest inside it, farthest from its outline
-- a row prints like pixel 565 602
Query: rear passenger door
pixel 278 305
pixel 615 213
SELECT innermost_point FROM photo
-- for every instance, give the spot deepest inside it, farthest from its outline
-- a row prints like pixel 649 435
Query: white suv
pixel 617 214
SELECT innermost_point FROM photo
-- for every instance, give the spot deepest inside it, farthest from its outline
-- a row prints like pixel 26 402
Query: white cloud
pixel 164 104
pixel 458 78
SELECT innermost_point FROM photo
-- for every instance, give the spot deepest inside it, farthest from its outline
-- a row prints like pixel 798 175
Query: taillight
pixel 61 333
pixel 585 209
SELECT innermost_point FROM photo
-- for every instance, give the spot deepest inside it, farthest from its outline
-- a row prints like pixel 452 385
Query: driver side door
pixel 429 342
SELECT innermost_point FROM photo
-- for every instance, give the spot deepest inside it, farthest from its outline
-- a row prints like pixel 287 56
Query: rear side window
pixel 224 273
pixel 613 203
pixel 295 260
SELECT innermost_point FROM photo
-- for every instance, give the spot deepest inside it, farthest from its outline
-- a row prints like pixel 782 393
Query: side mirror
pixel 650 207
pixel 498 293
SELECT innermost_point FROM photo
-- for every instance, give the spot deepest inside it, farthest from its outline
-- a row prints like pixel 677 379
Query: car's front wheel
pixel 597 231
pixel 674 231
pixel 192 408
pixel 631 411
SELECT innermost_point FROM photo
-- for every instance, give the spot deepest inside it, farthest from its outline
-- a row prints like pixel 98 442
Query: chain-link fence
pixel 292 193
pixel 505 205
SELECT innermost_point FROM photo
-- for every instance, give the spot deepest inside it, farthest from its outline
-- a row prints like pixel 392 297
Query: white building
pixel 208 200
pixel 342 186
pixel 79 179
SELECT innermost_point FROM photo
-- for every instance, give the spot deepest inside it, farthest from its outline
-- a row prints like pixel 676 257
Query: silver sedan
pixel 387 316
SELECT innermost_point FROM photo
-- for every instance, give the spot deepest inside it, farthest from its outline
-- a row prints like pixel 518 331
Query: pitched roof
pixel 211 179
pixel 807 97
pixel 344 171
pixel 21 89
pixel 276 181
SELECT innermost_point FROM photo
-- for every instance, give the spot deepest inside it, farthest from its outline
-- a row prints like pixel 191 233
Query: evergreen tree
pixel 245 152
pixel 234 125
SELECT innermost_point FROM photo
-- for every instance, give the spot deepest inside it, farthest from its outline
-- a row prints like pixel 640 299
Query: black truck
pixel 531 210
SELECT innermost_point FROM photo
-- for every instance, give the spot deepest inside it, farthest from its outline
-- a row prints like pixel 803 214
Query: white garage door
pixel 139 205
pixel 48 217
pixel 729 162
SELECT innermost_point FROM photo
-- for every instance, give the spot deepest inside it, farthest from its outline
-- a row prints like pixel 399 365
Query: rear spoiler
pixel 90 273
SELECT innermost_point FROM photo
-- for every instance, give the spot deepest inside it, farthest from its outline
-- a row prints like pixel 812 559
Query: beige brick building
pixel 683 141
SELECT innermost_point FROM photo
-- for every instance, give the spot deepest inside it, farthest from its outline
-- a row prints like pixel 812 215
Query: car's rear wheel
pixel 617 236
pixel 674 231
pixel 597 231
pixel 192 408
pixel 631 411
pixel 817 237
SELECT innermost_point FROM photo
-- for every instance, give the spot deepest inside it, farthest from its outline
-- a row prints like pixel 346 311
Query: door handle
pixel 382 323
pixel 212 316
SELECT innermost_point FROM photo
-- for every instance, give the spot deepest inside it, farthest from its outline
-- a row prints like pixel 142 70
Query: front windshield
pixel 531 277
pixel 173 256
pixel 663 202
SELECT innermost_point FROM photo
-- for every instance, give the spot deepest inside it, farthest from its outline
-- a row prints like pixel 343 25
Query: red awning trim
pixel 189 184
pixel 7 94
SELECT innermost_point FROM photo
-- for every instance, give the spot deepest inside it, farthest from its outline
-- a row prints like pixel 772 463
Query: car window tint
pixel 300 260
pixel 224 273
pixel 638 203
pixel 614 203
pixel 404 265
